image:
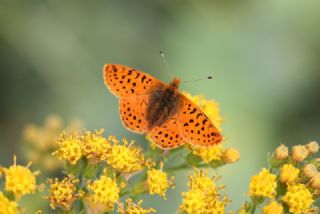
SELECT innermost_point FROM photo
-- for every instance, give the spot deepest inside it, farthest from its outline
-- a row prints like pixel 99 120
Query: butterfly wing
pixel 126 82
pixel 132 112
pixel 167 136
pixel 195 127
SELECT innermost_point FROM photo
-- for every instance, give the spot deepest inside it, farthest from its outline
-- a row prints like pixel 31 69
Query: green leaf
pixel 90 170
pixel 74 169
pixel 138 188
pixel 192 159
pixel 216 163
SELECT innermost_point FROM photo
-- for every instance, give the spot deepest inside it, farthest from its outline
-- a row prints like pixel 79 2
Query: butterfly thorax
pixel 174 84
pixel 165 101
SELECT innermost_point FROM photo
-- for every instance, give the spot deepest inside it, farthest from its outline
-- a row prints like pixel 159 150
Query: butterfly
pixel 150 106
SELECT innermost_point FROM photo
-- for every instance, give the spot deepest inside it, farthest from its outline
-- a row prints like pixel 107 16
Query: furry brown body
pixel 164 102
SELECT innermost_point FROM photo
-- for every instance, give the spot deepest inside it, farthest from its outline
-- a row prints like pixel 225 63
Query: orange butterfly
pixel 147 105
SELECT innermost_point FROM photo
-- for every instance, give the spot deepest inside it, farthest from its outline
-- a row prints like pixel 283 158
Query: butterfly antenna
pixel 196 80
pixel 165 62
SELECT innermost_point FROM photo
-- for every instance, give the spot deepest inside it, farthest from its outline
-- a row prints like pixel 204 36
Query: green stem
pixel 185 166
pixel 253 209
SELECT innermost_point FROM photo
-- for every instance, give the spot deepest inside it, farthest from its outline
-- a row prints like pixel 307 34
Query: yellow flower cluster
pixel 75 145
pixel 126 158
pixel 273 208
pixel 63 193
pixel 132 208
pixel 70 148
pixel 20 180
pixel 7 206
pixel 40 142
pixel 298 198
pixel 202 196
pixel 104 193
pixel 208 154
pixel 263 184
pixel 158 182
pixel 298 178
pixel 95 147
pixel 288 173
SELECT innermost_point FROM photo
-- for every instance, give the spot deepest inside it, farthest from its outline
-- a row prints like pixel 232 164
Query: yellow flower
pixel 200 180
pixel 70 148
pixel 132 208
pixel 95 147
pixel 282 152
pixel 230 155
pixel 20 180
pixel 63 193
pixel 7 206
pixel 193 202
pixel 298 198
pixel 207 154
pixel 264 184
pixel 104 192
pixel 273 208
pixel 196 201
pixel 288 173
pixel 158 182
pixel 215 206
pixel 299 153
pixel 125 158
pixel 203 195
pixel 209 107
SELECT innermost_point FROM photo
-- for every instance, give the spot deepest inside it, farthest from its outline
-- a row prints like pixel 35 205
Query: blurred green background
pixel 264 56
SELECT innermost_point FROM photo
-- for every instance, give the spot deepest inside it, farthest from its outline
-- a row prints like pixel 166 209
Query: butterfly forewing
pixel 132 112
pixel 124 81
pixel 195 127
pixel 167 136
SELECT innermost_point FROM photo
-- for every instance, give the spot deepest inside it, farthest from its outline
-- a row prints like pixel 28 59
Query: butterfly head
pixel 174 84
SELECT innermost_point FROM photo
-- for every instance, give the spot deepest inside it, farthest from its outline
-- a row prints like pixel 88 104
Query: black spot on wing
pixel 193 111
pixel 143 78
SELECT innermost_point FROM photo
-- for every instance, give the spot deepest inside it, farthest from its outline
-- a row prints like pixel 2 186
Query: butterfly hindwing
pixel 167 136
pixel 195 127
pixel 125 82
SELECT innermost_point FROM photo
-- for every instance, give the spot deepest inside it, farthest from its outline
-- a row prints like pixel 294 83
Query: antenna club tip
pixel 161 52
pixel 209 77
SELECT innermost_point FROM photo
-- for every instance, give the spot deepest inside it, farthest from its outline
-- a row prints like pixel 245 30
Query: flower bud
pixel 288 173
pixel 281 152
pixel 315 181
pixel 53 122
pixel 309 170
pixel 230 155
pixel 312 147
pixel 299 153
